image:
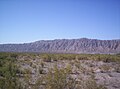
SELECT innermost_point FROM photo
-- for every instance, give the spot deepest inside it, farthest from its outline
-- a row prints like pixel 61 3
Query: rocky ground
pixel 104 73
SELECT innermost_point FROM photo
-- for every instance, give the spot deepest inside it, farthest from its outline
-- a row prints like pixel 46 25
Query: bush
pixel 57 78
pixel 8 72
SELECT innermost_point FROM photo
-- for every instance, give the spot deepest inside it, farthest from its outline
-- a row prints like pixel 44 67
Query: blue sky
pixel 31 20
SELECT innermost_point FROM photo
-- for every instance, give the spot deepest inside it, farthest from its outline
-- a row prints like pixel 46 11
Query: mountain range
pixel 82 45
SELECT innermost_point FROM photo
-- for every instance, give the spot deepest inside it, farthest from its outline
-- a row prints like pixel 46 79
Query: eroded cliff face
pixel 82 45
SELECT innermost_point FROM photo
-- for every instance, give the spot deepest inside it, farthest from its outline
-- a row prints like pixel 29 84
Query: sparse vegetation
pixel 98 57
pixel 8 72
pixel 53 71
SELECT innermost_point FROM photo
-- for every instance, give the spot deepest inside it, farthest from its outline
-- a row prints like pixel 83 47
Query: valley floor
pixel 59 71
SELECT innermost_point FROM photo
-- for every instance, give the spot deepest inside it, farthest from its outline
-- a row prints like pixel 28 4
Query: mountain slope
pixel 82 45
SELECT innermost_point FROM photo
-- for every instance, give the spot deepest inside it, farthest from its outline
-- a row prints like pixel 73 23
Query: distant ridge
pixel 83 45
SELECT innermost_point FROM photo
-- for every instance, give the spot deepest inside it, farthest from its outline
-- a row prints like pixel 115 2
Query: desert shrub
pixel 98 57
pixel 58 78
pixel 27 71
pixel 42 64
pixel 117 68
pixel 90 83
pixel 8 72
pixel 46 57
pixel 40 70
pixel 105 68
pixel 82 57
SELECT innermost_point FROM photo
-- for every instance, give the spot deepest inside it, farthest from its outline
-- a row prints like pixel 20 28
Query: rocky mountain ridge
pixel 82 45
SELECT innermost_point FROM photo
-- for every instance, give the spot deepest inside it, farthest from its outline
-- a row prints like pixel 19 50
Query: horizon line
pixel 58 39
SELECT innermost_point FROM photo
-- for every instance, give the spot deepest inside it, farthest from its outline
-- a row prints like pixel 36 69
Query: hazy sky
pixel 31 20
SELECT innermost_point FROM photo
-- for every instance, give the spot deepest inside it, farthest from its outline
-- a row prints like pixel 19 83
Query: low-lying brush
pixel 14 65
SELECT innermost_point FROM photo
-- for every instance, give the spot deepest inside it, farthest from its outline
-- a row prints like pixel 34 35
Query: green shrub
pixel 57 78
pixel 8 72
